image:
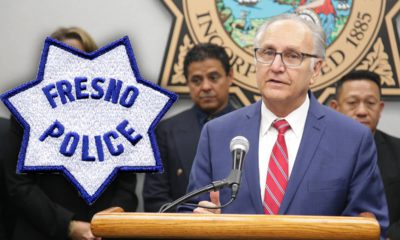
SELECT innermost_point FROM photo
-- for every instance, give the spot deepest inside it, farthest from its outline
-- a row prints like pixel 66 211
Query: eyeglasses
pixel 290 58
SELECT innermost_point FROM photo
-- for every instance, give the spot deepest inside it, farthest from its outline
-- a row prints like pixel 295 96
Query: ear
pixel 230 76
pixel 381 107
pixel 316 69
pixel 334 104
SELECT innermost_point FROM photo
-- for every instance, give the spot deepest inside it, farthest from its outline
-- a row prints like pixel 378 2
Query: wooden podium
pixel 115 223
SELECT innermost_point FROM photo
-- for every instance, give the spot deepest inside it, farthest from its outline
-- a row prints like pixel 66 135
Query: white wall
pixel 24 24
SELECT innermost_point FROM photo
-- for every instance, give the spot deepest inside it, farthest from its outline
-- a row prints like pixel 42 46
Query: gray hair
pixel 318 33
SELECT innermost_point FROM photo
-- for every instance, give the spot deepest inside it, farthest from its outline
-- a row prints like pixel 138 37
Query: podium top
pixel 232 226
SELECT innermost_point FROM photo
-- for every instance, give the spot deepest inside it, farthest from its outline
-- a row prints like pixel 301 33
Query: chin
pixel 208 108
pixel 274 95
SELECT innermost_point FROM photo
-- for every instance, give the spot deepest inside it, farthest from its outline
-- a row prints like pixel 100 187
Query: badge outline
pixel 90 199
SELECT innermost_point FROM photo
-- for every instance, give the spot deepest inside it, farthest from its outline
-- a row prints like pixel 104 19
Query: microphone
pixel 239 147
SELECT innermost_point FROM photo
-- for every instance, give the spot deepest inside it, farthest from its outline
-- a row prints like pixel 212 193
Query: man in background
pixel 358 95
pixel 209 76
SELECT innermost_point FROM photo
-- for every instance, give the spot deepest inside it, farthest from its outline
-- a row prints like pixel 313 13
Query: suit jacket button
pixel 179 172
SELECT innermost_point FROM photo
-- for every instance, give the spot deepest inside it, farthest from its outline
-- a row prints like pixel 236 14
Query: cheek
pixel 343 108
pixel 375 115
pixel 221 90
pixel 259 79
pixel 194 92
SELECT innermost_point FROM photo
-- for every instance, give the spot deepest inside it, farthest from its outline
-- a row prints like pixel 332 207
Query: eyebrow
pixel 291 48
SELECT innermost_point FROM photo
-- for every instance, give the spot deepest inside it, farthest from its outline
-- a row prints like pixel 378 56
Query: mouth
pixel 363 121
pixel 207 98
pixel 276 82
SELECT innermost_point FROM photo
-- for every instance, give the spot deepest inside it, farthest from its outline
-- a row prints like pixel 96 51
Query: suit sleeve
pixel 156 188
pixel 30 201
pixel 366 193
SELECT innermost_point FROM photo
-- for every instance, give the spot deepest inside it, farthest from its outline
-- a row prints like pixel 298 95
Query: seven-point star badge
pixel 88 115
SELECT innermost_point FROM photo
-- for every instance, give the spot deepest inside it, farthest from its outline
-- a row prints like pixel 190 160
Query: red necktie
pixel 277 175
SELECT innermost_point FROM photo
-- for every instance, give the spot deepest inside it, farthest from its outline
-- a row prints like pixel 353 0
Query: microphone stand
pixel 232 180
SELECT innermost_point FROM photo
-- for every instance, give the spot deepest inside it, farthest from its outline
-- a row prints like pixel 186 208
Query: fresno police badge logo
pixel 88 115
pixel 356 39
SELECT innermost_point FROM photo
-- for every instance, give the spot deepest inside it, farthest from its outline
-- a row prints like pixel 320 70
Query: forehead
pixel 206 65
pixel 287 34
pixel 361 87
pixel 74 43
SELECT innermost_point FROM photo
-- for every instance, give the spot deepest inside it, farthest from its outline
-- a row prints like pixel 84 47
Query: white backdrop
pixel 24 24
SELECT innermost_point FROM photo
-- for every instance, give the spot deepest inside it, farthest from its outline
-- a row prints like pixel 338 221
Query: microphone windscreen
pixel 239 142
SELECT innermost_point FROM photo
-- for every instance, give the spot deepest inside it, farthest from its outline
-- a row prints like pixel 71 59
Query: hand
pixel 79 230
pixel 214 196
pixel 367 214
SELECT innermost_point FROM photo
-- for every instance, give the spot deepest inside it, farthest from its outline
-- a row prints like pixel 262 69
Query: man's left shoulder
pixel 387 139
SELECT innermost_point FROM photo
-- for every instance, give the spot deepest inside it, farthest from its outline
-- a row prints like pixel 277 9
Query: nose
pixel 277 65
pixel 206 85
pixel 361 110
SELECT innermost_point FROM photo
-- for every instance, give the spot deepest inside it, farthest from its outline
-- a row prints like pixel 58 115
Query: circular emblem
pixel 351 27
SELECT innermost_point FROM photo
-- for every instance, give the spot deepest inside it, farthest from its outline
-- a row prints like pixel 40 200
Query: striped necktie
pixel 277 175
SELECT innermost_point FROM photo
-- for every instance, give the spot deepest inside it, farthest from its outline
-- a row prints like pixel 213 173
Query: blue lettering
pixel 85 150
pixel 71 140
pixel 64 89
pixel 79 88
pixel 113 90
pixel 50 96
pixel 127 133
pixel 132 97
pixel 107 139
pixel 64 145
pixel 97 88
pixel 55 130
pixel 99 147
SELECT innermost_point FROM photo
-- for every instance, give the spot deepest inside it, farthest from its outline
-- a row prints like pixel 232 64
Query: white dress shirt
pixel 268 136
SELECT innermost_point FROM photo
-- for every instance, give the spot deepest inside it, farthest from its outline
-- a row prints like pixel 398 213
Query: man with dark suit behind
pixel 304 158
pixel 358 95
pixel 209 76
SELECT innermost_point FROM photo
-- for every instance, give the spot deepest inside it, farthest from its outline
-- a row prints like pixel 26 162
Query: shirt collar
pixel 296 119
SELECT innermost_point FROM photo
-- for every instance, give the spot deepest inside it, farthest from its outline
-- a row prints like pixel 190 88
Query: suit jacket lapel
pixel 251 168
pixel 313 131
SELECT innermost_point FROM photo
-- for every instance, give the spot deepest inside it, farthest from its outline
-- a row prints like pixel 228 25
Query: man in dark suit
pixel 304 158
pixel 209 76
pixel 358 95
